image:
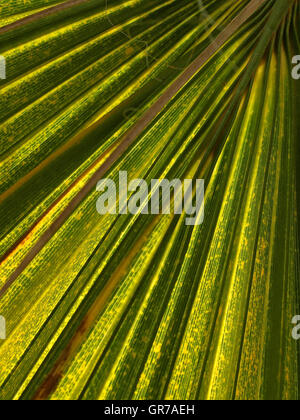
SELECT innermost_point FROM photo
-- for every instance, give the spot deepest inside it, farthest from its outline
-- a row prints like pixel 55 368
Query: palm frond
pixel 143 306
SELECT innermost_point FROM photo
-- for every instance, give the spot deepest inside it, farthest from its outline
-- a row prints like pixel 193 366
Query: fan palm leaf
pixel 124 306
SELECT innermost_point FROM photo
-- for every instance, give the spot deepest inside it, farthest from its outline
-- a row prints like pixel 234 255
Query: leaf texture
pixel 143 306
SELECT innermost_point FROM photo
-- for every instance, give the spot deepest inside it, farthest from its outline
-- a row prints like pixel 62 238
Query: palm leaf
pixel 143 306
